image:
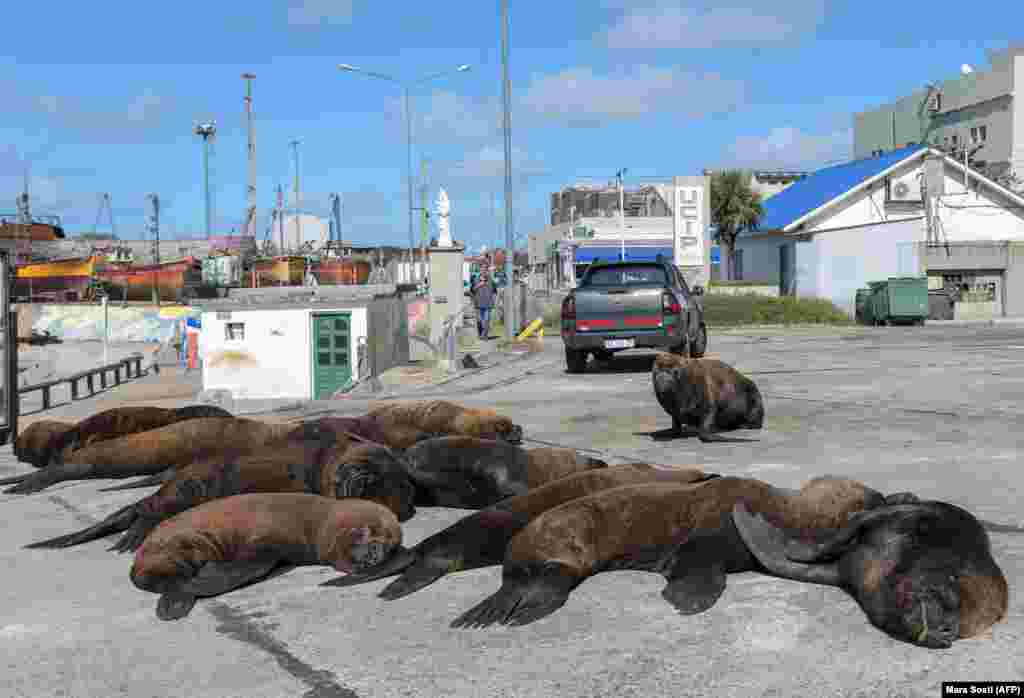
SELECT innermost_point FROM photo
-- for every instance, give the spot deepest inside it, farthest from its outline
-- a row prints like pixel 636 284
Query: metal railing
pixel 126 365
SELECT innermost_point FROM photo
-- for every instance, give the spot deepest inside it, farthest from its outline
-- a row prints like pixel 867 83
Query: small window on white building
pixel 234 331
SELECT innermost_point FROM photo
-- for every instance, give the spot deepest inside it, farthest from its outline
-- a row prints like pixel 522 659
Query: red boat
pixel 342 272
pixel 175 280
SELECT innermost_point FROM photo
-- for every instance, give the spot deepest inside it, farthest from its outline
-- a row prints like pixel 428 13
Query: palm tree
pixel 735 207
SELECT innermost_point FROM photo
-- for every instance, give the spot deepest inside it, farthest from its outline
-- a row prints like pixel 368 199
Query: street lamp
pixel 408 126
pixel 622 212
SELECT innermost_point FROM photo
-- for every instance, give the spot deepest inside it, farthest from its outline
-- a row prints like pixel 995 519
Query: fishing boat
pixel 41 228
pixel 286 270
pixel 341 272
pixel 57 280
pixel 176 280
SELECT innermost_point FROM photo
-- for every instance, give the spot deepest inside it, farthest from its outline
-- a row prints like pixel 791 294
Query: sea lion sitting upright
pixel 922 572
pixel 684 532
pixel 232 542
pixel 430 418
pixel 153 451
pixel 704 397
pixel 471 473
pixel 479 540
pixel 309 460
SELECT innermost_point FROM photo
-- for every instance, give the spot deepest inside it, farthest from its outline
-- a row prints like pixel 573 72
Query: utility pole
pixel 154 227
pixel 249 226
pixel 207 131
pixel 507 99
pixel 622 213
pixel 298 221
pixel 424 231
pixel 279 214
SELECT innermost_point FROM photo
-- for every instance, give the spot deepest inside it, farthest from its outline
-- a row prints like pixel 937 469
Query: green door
pixel 332 368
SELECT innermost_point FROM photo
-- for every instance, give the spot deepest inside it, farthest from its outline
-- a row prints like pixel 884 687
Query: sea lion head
pixel 162 563
pixel 498 428
pixel 376 473
pixel 369 544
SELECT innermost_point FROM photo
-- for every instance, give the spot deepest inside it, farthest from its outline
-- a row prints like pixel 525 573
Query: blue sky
pixel 102 97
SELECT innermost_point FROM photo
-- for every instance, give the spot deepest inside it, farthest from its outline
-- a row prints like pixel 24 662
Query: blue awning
pixel 613 253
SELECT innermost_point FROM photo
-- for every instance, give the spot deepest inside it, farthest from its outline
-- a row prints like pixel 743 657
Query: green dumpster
pixel 901 299
pixel 859 304
pixel 873 303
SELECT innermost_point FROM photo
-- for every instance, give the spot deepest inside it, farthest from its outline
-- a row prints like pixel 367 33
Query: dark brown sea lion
pixel 154 451
pixel 472 473
pixel 705 397
pixel 304 462
pixel 232 542
pixel 479 540
pixel 684 532
pixel 430 418
pixel 922 572
pixel 35 442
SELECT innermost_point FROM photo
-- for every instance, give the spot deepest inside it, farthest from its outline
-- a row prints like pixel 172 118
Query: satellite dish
pixel 966 69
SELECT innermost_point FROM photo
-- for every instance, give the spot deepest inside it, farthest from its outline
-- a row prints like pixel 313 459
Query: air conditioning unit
pixel 905 189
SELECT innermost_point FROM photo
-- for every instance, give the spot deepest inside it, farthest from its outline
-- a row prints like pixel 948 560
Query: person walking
pixel 483 294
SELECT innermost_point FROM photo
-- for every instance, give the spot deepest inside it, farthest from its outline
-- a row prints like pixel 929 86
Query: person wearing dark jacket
pixel 483 294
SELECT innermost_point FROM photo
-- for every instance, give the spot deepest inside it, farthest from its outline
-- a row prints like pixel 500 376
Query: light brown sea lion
pixel 430 418
pixel 36 441
pixel 705 397
pixel 235 541
pixel 306 461
pixel 471 473
pixel 156 450
pixel 479 540
pixel 922 572
pixel 684 532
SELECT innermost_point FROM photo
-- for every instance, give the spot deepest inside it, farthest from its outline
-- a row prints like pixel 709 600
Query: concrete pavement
pixel 933 410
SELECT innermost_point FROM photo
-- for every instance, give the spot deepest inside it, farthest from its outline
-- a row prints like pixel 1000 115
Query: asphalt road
pixel 935 411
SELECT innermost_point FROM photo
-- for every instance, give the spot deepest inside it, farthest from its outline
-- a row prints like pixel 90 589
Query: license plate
pixel 619 343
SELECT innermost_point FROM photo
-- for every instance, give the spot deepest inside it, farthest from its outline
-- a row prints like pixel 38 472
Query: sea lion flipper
pixel 215 578
pixel 398 561
pixel 694 590
pixel 37 481
pixel 413 579
pixel 767 544
pixel 528 593
pixel 118 521
pixel 902 498
pixel 136 533
pixel 150 481
pixel 15 479
pixel 175 605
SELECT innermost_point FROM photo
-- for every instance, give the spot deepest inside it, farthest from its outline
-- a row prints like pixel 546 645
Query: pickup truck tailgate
pixel 627 309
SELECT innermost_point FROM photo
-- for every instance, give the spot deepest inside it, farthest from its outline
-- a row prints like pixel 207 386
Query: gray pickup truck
pixel 631 305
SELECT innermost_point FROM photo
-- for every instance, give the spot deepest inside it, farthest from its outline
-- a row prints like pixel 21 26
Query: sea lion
pixel 684 532
pixel 922 572
pixel 312 459
pixel 122 421
pixel 232 542
pixel 468 472
pixel 35 442
pixel 479 540
pixel 429 418
pixel 156 450
pixel 704 397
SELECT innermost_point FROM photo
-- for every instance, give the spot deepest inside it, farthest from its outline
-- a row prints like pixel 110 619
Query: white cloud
pixel 578 97
pixel 489 162
pixel 670 25
pixel 312 13
pixel 788 147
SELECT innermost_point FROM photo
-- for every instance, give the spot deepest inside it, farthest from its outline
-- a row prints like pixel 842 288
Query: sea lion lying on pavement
pixel 471 473
pixel 430 418
pixel 704 397
pixel 35 443
pixel 156 450
pixel 922 572
pixel 323 464
pixel 684 532
pixel 232 542
pixel 479 540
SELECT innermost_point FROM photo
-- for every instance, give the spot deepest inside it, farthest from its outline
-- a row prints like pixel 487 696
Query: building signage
pixel 688 226
pixel 582 231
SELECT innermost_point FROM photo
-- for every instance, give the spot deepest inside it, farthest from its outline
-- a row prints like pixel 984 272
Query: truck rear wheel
pixel 575 360
pixel 700 344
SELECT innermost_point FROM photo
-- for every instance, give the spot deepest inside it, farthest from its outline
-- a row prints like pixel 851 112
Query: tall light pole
pixel 507 100
pixel 249 226
pixel 298 220
pixel 207 131
pixel 406 87
pixel 622 212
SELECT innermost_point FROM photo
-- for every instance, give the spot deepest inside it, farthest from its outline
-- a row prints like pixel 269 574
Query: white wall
pixel 834 265
pixel 761 257
pixel 274 360
pixel 637 228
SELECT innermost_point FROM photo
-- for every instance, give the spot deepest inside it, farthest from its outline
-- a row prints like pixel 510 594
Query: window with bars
pixel 234 331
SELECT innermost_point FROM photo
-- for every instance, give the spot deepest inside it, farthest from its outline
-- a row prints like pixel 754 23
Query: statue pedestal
pixel 446 289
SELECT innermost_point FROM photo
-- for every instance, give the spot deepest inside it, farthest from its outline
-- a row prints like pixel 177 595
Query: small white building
pixel 303 344
pixel 831 233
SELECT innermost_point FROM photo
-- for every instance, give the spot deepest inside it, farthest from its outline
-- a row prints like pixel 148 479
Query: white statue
pixel 444 238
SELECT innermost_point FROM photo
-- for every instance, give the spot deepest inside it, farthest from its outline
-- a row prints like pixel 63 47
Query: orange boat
pixel 36 230
pixel 176 280
pixel 342 272
pixel 59 280
pixel 279 271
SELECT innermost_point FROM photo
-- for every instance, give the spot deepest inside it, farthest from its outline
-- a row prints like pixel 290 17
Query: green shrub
pixel 752 309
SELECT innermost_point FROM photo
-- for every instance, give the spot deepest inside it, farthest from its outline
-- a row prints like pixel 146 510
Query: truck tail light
pixel 669 304
pixel 569 308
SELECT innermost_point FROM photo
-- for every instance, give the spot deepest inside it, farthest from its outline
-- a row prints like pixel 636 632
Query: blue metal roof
pixel 612 253
pixel 821 186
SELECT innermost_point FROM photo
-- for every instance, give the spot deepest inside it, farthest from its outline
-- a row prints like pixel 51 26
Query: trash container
pixel 859 304
pixel 874 303
pixel 907 299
